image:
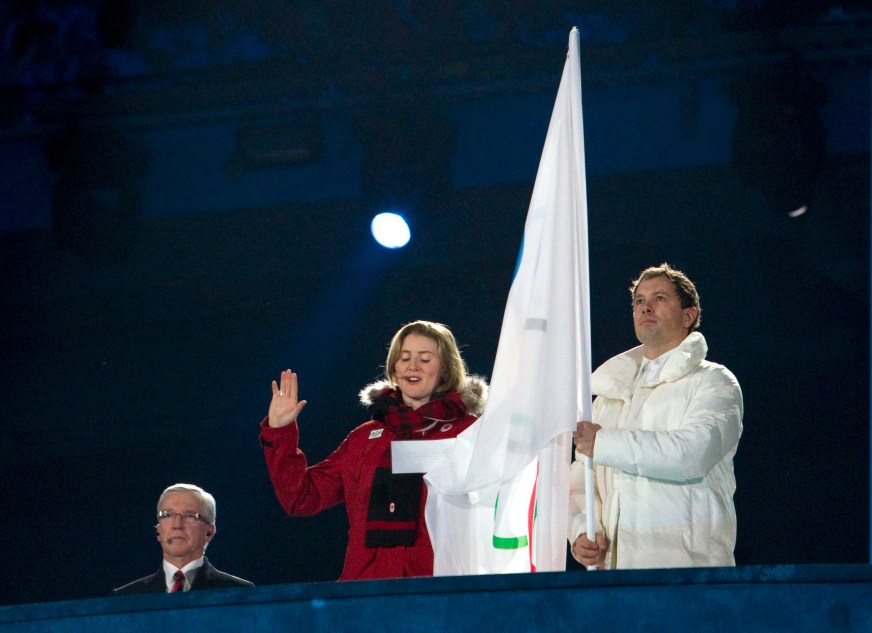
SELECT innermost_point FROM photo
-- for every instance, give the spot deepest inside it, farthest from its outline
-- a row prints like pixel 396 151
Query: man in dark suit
pixel 185 526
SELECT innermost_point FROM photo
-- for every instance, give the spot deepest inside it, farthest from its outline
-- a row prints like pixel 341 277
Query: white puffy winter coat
pixel 664 475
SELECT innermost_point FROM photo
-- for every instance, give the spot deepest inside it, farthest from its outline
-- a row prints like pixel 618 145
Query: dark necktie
pixel 178 581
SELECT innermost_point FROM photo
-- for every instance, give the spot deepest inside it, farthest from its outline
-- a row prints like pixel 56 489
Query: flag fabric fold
pixel 498 501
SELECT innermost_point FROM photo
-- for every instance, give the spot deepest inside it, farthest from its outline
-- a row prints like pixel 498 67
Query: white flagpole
pixel 589 492
pixel 585 396
pixel 540 384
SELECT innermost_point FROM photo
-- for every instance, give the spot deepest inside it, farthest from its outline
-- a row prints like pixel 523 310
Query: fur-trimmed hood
pixel 473 393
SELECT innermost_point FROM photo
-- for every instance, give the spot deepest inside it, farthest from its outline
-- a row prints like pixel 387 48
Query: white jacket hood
pixel 615 377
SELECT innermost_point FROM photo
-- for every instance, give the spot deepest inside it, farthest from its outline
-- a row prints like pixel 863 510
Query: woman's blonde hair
pixel 453 367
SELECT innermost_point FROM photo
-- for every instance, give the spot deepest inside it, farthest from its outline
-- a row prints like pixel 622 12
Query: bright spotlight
pixel 390 230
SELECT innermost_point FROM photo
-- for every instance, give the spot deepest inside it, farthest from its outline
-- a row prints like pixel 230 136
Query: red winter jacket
pixel 346 475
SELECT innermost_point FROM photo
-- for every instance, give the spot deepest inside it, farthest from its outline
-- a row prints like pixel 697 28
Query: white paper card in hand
pixel 417 456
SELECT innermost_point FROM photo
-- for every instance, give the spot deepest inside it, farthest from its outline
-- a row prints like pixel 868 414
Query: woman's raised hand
pixel 284 406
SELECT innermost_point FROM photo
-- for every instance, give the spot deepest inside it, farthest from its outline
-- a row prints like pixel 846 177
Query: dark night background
pixel 184 204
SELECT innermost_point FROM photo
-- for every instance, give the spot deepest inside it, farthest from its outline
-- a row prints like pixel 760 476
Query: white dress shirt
pixel 189 569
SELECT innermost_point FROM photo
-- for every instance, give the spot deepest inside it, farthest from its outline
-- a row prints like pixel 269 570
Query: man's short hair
pixel 207 501
pixel 687 293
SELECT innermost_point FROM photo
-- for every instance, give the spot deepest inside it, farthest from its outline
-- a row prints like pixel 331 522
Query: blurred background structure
pixel 185 197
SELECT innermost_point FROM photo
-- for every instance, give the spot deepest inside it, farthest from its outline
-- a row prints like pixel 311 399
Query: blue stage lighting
pixel 390 230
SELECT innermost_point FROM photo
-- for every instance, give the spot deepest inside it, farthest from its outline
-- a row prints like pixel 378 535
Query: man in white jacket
pixel 666 424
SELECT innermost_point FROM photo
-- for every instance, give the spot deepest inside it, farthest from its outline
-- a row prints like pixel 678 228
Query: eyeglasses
pixel 186 517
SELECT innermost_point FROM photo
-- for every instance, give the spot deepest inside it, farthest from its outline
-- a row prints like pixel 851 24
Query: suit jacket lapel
pixel 203 579
pixel 157 583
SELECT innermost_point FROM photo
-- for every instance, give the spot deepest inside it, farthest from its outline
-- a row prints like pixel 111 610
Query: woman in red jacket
pixel 427 394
